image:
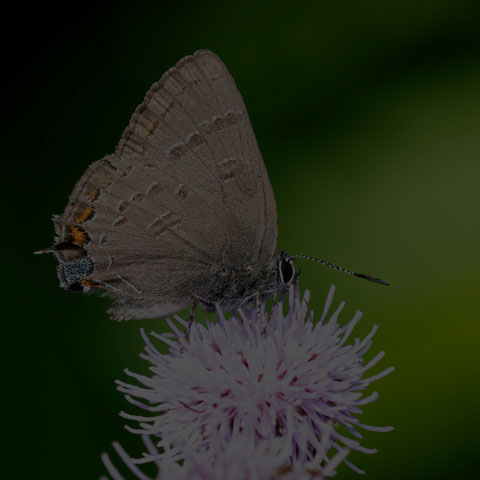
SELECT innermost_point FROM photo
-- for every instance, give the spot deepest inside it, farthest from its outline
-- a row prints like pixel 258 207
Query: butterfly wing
pixel 185 191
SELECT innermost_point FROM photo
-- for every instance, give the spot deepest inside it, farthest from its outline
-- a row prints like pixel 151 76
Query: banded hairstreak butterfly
pixel 183 213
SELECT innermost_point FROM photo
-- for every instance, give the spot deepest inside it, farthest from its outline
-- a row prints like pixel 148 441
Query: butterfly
pixel 183 212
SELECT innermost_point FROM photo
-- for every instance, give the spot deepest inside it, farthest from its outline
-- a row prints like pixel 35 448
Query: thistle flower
pixel 257 375
pixel 238 460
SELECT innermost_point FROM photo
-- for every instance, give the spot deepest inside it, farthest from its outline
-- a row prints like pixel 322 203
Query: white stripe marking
pixel 151 187
pixel 126 282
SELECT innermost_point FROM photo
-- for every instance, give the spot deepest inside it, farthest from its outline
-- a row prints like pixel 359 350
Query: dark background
pixel 368 118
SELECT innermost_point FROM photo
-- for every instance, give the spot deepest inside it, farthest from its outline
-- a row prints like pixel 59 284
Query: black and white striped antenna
pixel 365 276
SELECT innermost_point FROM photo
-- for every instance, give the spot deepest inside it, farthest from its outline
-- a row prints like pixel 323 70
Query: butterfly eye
pixel 287 271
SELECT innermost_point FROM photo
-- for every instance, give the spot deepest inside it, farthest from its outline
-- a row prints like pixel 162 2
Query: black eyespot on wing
pixel 287 270
pixel 75 287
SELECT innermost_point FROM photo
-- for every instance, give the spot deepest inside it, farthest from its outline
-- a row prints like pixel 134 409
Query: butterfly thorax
pixel 240 285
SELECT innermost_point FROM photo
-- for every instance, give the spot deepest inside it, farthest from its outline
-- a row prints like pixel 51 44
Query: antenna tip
pixel 370 278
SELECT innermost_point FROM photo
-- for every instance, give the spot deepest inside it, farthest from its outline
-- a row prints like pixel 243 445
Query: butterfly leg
pixel 192 317
pixel 258 304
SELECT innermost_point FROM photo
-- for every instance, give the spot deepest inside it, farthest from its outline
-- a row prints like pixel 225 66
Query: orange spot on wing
pixel 89 283
pixel 79 235
pixel 84 215
pixel 94 194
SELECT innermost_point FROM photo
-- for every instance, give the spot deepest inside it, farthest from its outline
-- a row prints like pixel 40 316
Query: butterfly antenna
pixel 366 276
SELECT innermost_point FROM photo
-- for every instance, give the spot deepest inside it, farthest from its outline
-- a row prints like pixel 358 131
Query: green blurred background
pixel 368 118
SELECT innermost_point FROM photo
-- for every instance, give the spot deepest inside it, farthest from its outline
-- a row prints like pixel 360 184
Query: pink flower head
pixel 239 459
pixel 258 376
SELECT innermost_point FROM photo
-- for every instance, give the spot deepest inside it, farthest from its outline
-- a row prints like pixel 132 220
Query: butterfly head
pixel 287 275
pixel 277 277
